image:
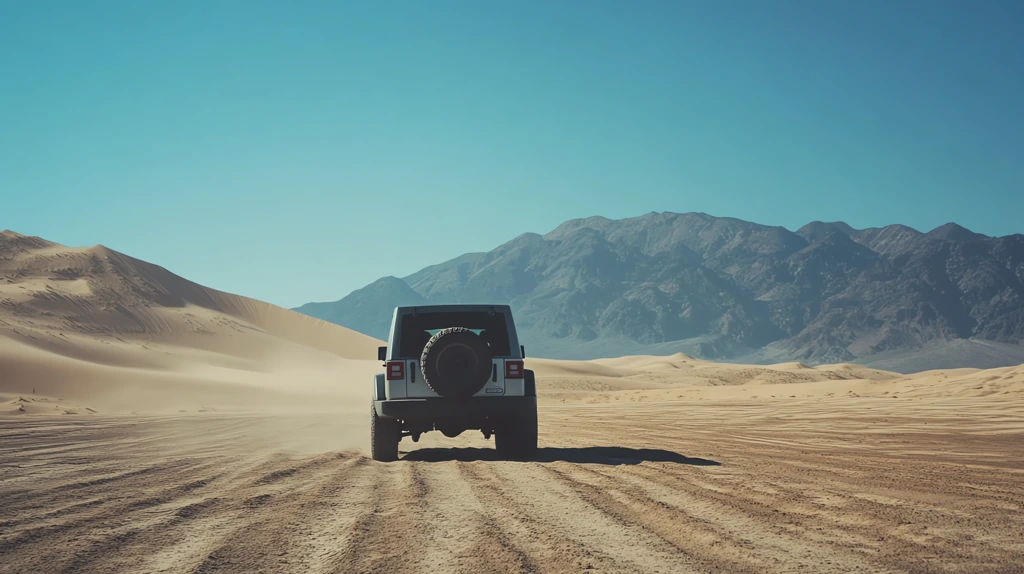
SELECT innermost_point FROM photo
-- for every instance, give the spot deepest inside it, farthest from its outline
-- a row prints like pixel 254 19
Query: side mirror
pixel 382 353
pixel 522 351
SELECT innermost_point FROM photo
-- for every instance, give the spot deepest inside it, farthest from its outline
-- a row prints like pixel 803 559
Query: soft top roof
pixel 405 318
pixel 452 309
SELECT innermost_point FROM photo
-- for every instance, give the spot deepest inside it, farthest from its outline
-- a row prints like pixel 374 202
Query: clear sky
pixel 294 151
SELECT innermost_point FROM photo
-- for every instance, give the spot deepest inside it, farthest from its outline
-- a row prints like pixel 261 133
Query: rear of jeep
pixel 453 368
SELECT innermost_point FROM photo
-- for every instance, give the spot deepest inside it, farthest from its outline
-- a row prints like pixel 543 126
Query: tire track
pixel 659 519
pixel 371 541
pixel 248 519
pixel 883 536
pixel 574 511
pixel 268 515
pixel 726 528
pixel 464 536
pixel 551 549
pixel 79 519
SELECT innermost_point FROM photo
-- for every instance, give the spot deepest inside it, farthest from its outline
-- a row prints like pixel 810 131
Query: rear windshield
pixel 417 330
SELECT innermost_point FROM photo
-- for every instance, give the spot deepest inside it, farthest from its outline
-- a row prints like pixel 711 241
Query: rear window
pixel 417 330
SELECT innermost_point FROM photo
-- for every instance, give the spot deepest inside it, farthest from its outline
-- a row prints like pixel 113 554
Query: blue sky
pixel 294 151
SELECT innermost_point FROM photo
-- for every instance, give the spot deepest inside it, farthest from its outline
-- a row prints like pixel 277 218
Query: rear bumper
pixel 443 408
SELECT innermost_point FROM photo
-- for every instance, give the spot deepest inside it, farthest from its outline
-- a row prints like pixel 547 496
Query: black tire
pixel 385 434
pixel 456 363
pixel 516 439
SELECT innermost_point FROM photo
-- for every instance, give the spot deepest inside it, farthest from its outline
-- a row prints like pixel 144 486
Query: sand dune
pixel 39 405
pixel 91 324
pixel 657 378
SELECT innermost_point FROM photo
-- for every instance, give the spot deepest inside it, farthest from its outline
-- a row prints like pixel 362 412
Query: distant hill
pixel 723 288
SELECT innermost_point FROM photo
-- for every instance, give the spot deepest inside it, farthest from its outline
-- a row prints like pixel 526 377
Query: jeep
pixel 453 368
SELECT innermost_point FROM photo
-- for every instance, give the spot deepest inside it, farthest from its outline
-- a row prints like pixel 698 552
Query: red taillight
pixel 396 370
pixel 513 369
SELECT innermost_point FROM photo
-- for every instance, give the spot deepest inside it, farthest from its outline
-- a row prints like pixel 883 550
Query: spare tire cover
pixel 456 362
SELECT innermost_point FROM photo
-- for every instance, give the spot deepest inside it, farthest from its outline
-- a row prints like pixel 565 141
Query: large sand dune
pixel 647 464
pixel 93 325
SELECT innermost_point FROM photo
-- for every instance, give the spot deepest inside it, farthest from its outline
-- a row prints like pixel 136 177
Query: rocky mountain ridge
pixel 723 288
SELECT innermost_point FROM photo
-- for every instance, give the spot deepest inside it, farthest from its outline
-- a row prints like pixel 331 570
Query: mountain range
pixel 723 288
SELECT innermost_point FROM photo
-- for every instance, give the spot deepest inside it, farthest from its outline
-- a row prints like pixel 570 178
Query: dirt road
pixel 619 488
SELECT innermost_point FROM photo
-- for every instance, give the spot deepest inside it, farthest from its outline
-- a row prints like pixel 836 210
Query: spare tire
pixel 456 363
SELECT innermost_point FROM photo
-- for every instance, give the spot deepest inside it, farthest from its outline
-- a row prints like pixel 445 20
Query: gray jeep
pixel 454 368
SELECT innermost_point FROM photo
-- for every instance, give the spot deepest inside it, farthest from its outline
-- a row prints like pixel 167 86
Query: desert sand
pixel 95 326
pixel 647 464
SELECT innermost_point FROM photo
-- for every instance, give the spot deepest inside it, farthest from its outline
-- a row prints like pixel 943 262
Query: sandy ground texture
pixel 149 424
pixel 809 485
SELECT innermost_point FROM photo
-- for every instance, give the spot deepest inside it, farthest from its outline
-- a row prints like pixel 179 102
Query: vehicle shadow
pixel 610 455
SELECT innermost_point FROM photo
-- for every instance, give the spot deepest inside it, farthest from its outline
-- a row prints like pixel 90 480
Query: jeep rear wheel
pixel 516 438
pixel 385 435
